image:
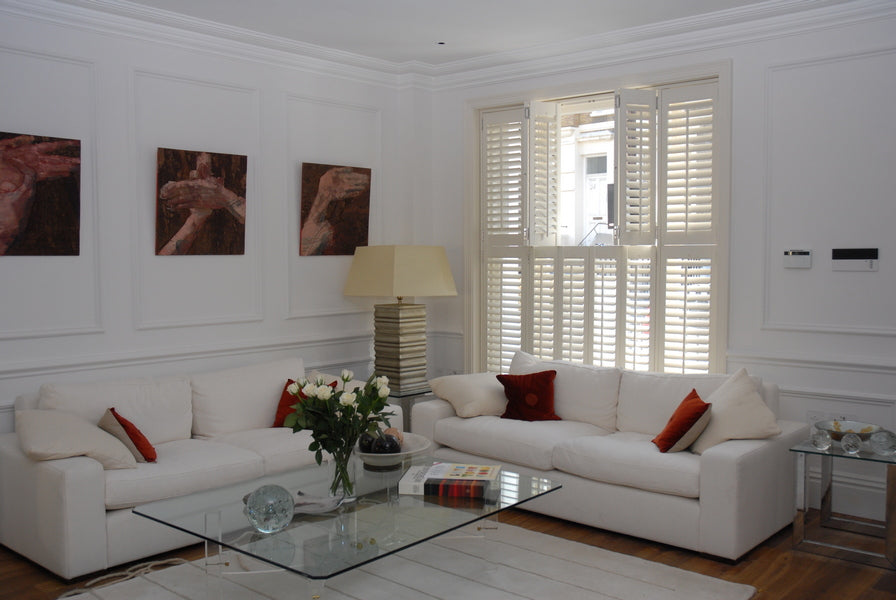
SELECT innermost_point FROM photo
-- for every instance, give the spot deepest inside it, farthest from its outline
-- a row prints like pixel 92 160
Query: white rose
pixel 348 399
pixel 309 390
pixel 381 381
pixel 323 392
pixel 383 391
pixel 293 388
pixel 347 375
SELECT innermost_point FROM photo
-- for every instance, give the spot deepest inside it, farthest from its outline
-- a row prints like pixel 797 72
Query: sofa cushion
pixel 530 397
pixel 581 392
pixel 648 399
pixel 738 413
pixel 280 448
pixel 471 394
pixel 685 425
pixel 182 467
pixel 527 443
pixel 52 434
pixel 630 459
pixel 125 432
pixel 240 398
pixel 160 408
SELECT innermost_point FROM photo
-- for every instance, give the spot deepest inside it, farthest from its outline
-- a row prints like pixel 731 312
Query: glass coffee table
pixel 378 523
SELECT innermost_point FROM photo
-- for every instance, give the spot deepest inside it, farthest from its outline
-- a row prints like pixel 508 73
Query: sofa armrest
pixel 425 414
pixel 53 511
pixel 747 491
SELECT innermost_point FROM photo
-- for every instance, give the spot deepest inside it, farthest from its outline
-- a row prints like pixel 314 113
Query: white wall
pixel 126 89
pixel 812 167
pixel 812 157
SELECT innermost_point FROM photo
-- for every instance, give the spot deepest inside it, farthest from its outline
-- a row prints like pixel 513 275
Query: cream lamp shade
pixel 400 272
pixel 399 340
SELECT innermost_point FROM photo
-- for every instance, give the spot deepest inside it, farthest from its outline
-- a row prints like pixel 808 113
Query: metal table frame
pixel 883 529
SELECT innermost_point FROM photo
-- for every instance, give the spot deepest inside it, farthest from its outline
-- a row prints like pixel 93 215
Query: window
pixel 600 221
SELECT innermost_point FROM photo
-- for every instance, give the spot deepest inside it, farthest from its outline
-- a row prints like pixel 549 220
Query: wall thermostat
pixel 854 259
pixel 797 259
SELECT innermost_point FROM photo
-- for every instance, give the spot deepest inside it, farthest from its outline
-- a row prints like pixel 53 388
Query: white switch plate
pixel 797 259
pixel 854 265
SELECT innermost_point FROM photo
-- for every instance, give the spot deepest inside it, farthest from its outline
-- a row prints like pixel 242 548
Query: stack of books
pixel 451 480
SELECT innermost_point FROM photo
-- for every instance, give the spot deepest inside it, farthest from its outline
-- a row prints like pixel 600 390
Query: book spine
pixel 456 488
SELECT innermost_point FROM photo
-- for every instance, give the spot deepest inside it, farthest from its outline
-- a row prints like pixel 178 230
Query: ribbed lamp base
pixel 399 344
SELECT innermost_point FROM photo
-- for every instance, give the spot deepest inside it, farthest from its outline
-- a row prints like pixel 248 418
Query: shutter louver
pixel 504 311
pixel 635 165
pixel 543 321
pixel 574 335
pixel 542 180
pixel 687 176
pixel 638 320
pixel 605 288
pixel 687 315
pixel 503 178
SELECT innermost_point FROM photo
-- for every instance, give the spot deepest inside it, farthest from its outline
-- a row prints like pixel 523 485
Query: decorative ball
pixel 365 442
pixel 821 439
pixel 269 508
pixel 395 432
pixel 851 443
pixel 386 444
pixel 883 442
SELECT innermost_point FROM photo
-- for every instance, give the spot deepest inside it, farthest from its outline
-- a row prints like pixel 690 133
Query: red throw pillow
pixel 129 435
pixel 685 425
pixel 287 400
pixel 529 397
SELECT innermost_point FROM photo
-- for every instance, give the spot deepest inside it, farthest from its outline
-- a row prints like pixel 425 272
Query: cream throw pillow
pixel 51 434
pixel 471 395
pixel 738 413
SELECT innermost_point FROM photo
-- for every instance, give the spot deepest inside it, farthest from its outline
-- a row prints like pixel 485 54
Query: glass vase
pixel 342 480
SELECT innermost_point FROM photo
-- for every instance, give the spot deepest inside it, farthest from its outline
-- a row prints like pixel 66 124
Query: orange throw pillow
pixel 529 397
pixel 685 425
pixel 287 401
pixel 129 435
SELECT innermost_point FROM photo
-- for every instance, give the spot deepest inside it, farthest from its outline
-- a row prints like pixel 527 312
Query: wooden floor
pixel 777 571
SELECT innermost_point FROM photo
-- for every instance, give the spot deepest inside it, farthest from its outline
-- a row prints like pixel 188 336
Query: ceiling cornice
pixel 749 23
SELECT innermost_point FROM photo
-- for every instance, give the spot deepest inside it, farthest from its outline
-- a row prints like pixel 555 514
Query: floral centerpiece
pixel 337 418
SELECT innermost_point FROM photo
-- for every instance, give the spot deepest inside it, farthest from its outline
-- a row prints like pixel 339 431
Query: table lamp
pixel 399 341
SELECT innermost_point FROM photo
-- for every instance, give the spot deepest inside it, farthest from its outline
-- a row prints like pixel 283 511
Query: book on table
pixel 450 479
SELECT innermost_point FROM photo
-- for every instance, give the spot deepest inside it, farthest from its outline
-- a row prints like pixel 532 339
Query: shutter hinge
pixel 526 112
pixel 526 233
pixel 618 100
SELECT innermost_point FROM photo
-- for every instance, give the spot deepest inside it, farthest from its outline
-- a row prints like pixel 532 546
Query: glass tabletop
pixel 378 523
pixel 835 450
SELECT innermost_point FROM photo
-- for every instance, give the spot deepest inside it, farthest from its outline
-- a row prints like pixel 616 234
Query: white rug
pixel 509 562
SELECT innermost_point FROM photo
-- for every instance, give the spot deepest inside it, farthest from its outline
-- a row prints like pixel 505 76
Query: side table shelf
pixel 880 529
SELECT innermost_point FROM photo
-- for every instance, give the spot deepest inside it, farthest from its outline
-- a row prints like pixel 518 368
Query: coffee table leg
pixel 316 588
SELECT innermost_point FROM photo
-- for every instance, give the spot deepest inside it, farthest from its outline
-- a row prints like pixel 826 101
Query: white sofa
pixel 722 502
pixel 209 430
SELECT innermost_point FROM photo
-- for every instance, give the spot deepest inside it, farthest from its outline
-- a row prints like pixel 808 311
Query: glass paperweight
pixel 883 442
pixel 269 508
pixel 821 439
pixel 851 443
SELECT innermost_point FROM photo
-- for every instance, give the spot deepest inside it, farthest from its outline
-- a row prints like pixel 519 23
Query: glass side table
pixel 885 529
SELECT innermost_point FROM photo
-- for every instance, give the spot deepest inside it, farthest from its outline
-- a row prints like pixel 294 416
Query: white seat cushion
pixel 630 459
pixel 182 467
pixel 160 408
pixel 528 443
pixel 581 392
pixel 241 398
pixel 280 448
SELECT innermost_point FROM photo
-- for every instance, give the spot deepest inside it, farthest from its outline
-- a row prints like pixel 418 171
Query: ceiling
pixel 438 32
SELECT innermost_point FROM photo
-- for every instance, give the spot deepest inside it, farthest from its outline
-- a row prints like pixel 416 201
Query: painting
pixel 40 195
pixel 200 202
pixel 335 209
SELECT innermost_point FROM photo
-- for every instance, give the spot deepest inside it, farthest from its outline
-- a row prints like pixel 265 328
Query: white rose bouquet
pixel 337 418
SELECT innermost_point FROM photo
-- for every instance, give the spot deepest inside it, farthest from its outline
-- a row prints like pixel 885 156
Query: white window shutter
pixel 502 157
pixel 688 309
pixel 605 302
pixel 639 315
pixel 543 318
pixel 687 190
pixel 503 334
pixel 542 180
pixel 636 166
pixel 575 337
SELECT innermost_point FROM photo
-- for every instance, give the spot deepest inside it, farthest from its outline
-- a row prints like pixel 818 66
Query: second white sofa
pixel 722 502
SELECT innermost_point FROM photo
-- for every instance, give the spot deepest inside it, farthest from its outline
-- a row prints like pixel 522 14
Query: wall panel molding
pixel 143 224
pixel 90 321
